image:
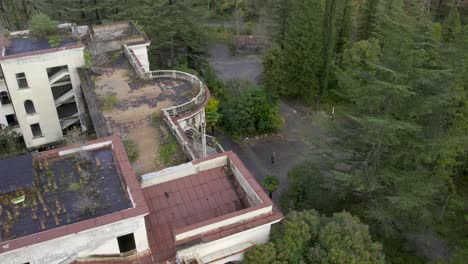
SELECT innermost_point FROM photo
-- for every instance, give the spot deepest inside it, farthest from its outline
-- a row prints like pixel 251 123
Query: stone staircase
pixel 68 121
pixel 58 75
pixel 64 98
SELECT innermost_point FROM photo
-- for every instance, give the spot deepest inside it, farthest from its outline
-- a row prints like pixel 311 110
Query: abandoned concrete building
pixel 80 204
pixel 87 203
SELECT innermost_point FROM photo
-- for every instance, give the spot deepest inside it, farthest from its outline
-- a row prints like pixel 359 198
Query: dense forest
pixel 396 71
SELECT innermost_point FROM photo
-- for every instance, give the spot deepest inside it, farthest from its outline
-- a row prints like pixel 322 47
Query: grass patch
pixel 156 119
pixel 74 187
pixel 108 102
pixel 169 152
pixel 132 149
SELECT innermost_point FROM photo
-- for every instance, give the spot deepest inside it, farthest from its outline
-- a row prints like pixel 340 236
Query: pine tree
pixel 303 49
pixel 329 42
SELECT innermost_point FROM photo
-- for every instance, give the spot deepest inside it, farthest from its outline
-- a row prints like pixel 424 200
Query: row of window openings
pixel 35 128
pixel 23 82
pixel 28 104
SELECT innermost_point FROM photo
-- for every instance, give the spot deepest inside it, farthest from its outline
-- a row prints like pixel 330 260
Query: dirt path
pixel 295 141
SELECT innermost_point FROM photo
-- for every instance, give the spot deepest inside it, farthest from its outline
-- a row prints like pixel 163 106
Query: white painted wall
pixel 256 236
pixel 223 223
pixel 99 240
pixel 141 53
pixel 40 91
pixel 183 170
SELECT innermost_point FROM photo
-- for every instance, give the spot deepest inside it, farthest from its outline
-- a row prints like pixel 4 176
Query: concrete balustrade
pixel 172 115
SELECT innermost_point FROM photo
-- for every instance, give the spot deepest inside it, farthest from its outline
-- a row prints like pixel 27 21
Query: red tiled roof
pixel 198 200
pixel 187 201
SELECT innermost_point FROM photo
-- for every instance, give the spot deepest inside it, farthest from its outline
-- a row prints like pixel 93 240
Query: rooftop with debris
pixel 23 43
pixel 70 186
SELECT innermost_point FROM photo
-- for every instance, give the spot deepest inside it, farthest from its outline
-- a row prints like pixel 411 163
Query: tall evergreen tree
pixel 329 42
pixel 303 49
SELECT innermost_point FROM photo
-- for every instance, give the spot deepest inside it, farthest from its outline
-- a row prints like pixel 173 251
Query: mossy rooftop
pixel 26 43
pixel 65 190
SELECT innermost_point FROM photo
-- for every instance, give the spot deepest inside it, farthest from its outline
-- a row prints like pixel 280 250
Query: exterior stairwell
pixel 68 121
pixel 64 98
pixel 58 75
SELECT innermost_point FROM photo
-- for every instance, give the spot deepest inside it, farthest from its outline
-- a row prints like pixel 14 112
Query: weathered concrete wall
pixel 249 191
pixel 256 236
pixel 39 91
pixel 99 240
pixel 187 169
pixel 141 53
pixel 98 121
pixel 223 223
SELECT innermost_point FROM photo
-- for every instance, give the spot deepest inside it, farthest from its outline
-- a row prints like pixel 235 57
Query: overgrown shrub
pixel 54 40
pixel 42 25
pixel 88 60
pixel 108 102
pixel 251 113
pixel 132 148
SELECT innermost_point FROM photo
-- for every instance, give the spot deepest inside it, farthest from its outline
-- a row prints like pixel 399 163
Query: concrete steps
pixel 58 75
pixel 66 97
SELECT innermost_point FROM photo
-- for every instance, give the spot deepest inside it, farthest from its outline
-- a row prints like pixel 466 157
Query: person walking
pixel 273 155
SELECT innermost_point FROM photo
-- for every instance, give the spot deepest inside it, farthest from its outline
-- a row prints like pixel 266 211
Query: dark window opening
pixel 11 120
pixel 29 107
pixel 4 98
pixel 36 130
pixel 126 243
pixel 21 79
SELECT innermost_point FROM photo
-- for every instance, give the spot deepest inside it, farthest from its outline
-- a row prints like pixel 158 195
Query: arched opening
pixel 4 98
pixel 29 106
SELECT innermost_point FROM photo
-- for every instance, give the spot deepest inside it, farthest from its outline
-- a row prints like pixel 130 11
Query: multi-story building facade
pixel 39 86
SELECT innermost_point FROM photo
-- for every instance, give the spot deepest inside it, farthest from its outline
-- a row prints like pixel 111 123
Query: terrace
pixel 52 191
pixel 131 107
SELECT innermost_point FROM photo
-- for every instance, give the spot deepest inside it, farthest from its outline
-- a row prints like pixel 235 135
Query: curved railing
pixel 197 83
pixel 173 74
pixel 177 110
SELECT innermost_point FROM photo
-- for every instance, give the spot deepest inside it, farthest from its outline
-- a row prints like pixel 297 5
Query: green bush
pixel 132 149
pixel 108 102
pixel 251 113
pixel 168 152
pixel 88 60
pixel 42 25
pixel 54 40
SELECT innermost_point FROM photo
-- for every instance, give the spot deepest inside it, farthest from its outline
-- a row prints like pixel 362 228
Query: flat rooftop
pixel 26 43
pixel 202 199
pixel 136 103
pixel 125 31
pixel 66 189
pixel 19 174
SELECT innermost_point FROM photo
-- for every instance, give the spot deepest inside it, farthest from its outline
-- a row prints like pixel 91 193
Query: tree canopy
pixel 308 237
